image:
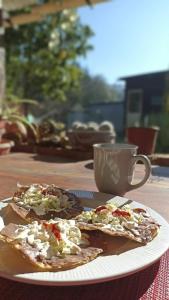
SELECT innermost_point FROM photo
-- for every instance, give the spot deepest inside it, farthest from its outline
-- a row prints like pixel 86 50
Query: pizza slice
pixel 135 224
pixel 44 202
pixel 51 245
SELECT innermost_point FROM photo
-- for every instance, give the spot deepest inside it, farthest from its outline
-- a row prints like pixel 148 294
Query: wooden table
pixel 30 168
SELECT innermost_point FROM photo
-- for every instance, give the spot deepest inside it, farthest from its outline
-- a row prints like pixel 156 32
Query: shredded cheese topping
pixel 109 216
pixel 53 238
pixel 36 198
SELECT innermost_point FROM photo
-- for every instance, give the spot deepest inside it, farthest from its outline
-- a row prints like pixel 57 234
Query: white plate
pixel 103 268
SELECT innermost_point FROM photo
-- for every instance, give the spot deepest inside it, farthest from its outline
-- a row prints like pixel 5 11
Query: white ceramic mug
pixel 114 166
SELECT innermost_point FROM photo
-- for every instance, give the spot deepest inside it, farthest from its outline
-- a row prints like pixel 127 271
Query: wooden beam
pixel 24 19
pixel 11 5
pixel 38 12
pixel 50 8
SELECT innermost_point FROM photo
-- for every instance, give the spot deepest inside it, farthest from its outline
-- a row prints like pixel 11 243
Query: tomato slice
pixel 54 229
pixel 99 208
pixel 121 213
pixel 139 210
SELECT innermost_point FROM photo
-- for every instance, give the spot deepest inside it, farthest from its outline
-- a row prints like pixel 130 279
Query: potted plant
pixel 14 123
pixel 83 135
pixel 5 144
pixel 51 136
pixel 144 137
pixel 2 128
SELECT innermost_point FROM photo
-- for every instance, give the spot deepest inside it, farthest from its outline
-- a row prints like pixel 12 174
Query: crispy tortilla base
pixel 29 214
pixel 31 254
pixel 147 230
pixel 111 245
pixel 147 234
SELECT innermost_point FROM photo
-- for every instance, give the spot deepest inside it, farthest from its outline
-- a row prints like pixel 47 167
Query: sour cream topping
pixel 109 216
pixel 42 202
pixel 44 239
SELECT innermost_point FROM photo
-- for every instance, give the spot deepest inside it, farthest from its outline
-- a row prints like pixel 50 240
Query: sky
pixel 131 37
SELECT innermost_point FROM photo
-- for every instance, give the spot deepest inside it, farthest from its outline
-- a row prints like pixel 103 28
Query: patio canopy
pixel 39 10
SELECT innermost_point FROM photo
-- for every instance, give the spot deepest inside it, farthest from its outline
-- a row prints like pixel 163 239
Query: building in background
pixel 144 95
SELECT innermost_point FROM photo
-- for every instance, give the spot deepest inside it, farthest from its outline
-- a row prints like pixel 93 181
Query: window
pixel 134 101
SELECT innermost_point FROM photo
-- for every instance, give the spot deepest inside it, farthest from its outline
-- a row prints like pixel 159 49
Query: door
pixel 134 107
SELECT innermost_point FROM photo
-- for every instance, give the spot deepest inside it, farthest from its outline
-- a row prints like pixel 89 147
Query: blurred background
pixel 81 65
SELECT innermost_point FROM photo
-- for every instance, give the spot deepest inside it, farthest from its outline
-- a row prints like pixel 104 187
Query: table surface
pixel 30 168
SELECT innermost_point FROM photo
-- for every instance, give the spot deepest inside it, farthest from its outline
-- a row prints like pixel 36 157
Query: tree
pixel 94 89
pixel 41 57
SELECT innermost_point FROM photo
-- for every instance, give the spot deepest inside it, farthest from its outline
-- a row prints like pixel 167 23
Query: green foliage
pixel 41 57
pixel 94 89
pixel 12 107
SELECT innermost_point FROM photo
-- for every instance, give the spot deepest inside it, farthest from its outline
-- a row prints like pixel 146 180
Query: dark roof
pixel 154 74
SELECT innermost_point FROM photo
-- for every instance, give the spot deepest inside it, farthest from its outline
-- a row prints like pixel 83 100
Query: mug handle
pixel 147 164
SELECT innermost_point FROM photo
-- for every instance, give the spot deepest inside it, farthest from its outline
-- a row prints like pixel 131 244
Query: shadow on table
pixel 89 166
pixel 52 159
pixel 160 171
pixel 156 170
